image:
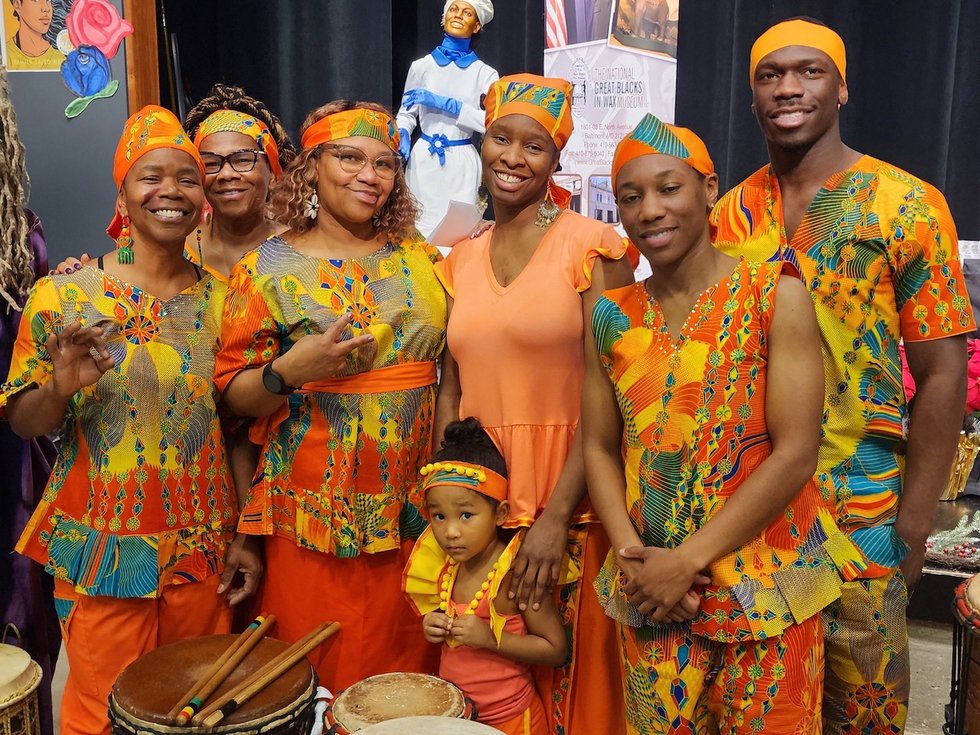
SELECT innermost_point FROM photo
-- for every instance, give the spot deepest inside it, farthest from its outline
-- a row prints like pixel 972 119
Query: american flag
pixel 556 32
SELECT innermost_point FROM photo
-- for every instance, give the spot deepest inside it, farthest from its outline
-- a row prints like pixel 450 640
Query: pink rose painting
pixel 97 23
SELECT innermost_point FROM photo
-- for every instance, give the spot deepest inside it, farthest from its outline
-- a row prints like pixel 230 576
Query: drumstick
pixel 276 668
pixel 255 630
pixel 246 646
pixel 198 718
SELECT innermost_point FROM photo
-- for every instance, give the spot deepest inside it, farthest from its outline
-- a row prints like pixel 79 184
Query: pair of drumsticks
pixel 189 708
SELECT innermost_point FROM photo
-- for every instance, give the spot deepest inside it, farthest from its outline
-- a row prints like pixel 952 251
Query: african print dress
pixel 695 428
pixel 339 466
pixel 140 496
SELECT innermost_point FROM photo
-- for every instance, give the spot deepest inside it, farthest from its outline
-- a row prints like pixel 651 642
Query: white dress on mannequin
pixel 432 183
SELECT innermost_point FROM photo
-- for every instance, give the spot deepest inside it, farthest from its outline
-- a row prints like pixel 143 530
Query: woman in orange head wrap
pixel 330 338
pixel 140 510
pixel 520 295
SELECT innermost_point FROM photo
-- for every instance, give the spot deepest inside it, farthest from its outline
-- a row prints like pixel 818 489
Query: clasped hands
pixel 468 630
pixel 662 583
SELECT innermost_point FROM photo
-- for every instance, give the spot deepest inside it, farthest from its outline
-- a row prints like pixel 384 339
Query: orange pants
pixel 531 721
pixel 379 631
pixel 586 695
pixel 103 635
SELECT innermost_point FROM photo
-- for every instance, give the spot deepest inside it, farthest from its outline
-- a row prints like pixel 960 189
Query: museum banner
pixel 621 57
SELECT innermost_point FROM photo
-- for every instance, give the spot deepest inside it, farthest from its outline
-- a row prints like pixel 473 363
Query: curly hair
pixel 298 184
pixel 16 257
pixel 227 97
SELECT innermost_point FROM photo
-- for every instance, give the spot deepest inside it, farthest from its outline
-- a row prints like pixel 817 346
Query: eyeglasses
pixel 353 160
pixel 241 161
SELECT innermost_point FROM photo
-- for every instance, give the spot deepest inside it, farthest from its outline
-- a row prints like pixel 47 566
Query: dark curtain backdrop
pixel 913 69
pixel 297 54
pixel 913 74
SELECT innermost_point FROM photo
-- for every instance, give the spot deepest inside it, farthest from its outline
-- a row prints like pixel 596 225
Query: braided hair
pixel 16 257
pixel 229 97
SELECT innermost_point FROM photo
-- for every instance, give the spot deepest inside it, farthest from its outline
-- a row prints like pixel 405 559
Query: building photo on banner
pixel 621 57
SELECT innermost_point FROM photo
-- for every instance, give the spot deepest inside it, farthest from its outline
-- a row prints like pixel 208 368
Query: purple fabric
pixel 26 591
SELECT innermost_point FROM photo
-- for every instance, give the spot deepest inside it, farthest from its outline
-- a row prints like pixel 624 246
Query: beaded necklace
pixel 449 578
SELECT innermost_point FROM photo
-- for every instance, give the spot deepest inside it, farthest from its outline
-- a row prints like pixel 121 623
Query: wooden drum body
pixel 149 688
pixel 19 680
pixel 390 697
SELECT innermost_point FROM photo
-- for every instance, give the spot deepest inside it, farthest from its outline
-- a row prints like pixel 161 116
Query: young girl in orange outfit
pixel 454 577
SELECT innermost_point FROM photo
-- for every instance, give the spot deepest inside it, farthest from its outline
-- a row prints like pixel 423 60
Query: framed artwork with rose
pixel 75 38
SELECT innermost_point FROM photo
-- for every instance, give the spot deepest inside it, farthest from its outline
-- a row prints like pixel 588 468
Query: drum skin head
pixel 973 594
pixel 150 686
pixel 428 726
pixel 397 695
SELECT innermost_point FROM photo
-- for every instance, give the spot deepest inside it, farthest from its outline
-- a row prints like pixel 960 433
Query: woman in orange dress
pixel 330 337
pixel 520 295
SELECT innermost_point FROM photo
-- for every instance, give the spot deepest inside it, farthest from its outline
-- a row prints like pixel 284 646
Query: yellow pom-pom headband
pixel 463 474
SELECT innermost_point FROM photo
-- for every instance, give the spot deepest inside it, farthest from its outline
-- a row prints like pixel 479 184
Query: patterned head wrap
pixel 149 129
pixel 474 477
pixel 232 121
pixel 547 101
pixel 483 8
pixel 651 136
pixel 798 33
pixel 350 123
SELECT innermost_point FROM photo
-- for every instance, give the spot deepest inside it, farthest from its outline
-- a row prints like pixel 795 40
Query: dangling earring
pixel 312 206
pixel 124 243
pixel 482 199
pixel 548 212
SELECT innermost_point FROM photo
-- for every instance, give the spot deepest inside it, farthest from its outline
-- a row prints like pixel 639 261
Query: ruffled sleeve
pixel 609 245
pixel 428 565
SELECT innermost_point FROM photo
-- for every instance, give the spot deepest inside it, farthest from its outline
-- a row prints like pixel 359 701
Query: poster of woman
pixel 30 34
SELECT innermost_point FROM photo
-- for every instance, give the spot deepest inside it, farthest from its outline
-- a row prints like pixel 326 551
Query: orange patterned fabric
pixel 232 121
pixel 547 101
pixel 652 136
pixel 798 33
pixel 694 411
pixel 339 468
pixel 351 123
pixel 149 129
pixel 878 250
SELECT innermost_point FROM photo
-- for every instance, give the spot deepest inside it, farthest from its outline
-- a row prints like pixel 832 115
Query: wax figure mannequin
pixel 442 96
pixel 878 250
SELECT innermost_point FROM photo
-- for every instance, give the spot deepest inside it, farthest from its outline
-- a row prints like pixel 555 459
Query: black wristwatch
pixel 274 383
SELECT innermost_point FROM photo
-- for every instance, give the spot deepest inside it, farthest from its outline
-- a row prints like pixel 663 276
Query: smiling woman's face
pixel 461 20
pixel 162 196
pixel 235 195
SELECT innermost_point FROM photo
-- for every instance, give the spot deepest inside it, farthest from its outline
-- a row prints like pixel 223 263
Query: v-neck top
pixel 878 250
pixel 140 495
pixel 520 350
pixel 695 430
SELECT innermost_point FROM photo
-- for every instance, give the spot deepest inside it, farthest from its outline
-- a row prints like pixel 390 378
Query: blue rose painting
pixel 86 72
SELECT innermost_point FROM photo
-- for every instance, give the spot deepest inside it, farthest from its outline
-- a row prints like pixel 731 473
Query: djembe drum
pixel 965 676
pixel 390 697
pixel 149 688
pixel 19 680
pixel 428 726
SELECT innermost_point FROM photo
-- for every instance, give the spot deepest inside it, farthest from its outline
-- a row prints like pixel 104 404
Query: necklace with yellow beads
pixel 449 578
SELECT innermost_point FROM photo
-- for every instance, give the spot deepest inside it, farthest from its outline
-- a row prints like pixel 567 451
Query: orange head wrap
pixel 651 136
pixel 232 121
pixel 798 33
pixel 151 128
pixel 546 100
pixel 474 477
pixel 350 123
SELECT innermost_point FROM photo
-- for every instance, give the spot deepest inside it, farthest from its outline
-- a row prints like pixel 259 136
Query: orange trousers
pixel 586 695
pixel 103 635
pixel 379 631
pixel 531 721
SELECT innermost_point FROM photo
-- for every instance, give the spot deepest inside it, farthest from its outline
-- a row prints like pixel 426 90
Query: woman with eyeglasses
pixel 330 339
pixel 244 148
